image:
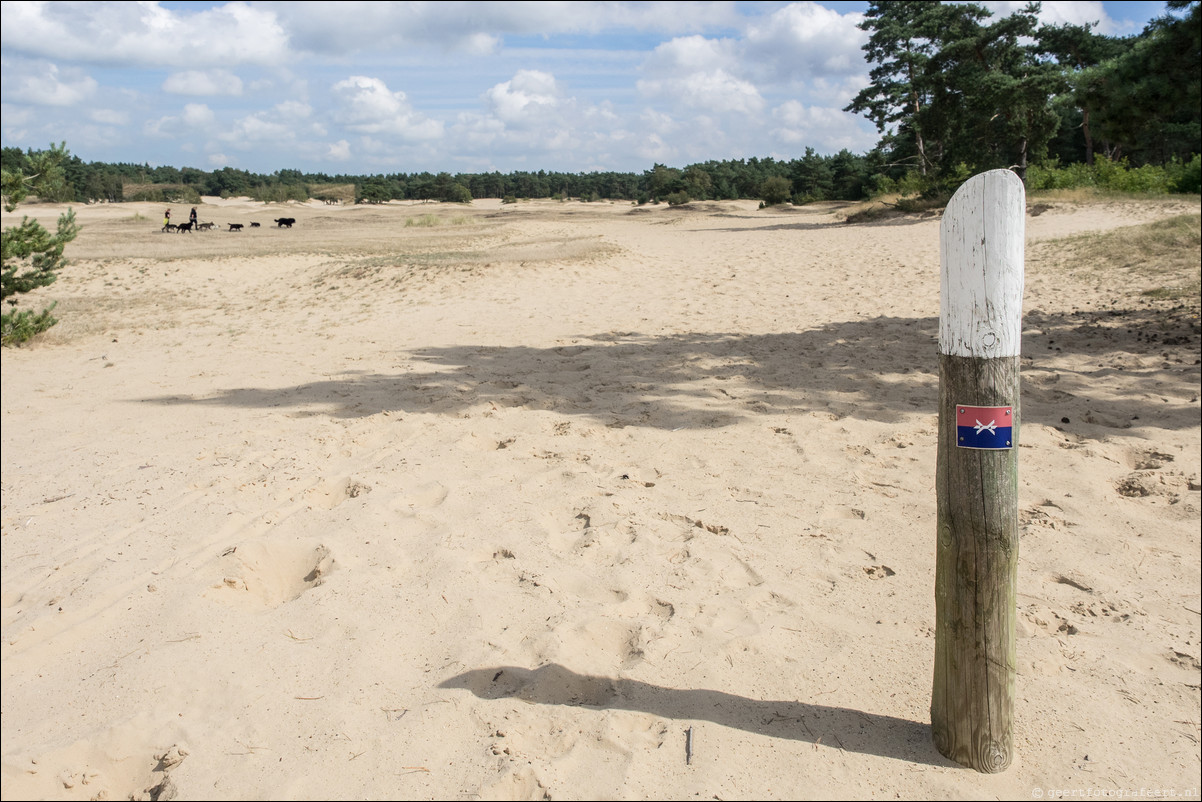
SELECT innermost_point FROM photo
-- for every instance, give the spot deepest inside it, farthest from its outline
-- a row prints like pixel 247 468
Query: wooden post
pixel 980 325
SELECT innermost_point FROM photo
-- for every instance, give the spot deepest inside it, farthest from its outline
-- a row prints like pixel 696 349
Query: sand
pixel 521 503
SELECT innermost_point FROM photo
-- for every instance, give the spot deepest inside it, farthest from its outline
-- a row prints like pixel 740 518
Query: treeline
pixel 843 176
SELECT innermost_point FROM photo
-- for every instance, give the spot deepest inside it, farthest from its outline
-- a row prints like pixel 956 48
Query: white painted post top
pixel 981 246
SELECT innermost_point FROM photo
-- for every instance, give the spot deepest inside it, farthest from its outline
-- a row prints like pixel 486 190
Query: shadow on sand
pixel 880 369
pixel 836 727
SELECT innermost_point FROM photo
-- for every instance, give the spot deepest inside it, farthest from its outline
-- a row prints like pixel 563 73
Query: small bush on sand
pixel 776 190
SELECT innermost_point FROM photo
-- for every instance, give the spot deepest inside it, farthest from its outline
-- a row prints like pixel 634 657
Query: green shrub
pixel 1190 178
pixel 1116 176
pixel 678 198
pixel 509 199
pixel 279 193
pixel 23 325
pixel 776 189
pixel 457 193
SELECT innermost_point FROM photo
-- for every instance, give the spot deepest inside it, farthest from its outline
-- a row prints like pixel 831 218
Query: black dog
pixel 284 222
pixel 235 226
pixel 254 225
pixel 185 228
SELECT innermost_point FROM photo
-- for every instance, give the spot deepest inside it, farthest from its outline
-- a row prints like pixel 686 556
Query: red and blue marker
pixel 984 427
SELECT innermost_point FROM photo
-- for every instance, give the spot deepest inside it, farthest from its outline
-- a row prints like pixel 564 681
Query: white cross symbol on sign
pixel 990 427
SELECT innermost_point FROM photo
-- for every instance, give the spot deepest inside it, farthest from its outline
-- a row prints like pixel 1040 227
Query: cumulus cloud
pixel 368 106
pixel 286 124
pixel 526 99
pixel 533 118
pixel 480 27
pixel 803 41
pixel 339 151
pixel 198 115
pixel 293 111
pixel 145 33
pixel 698 73
pixel 257 128
pixel 193 120
pixel 653 149
pixel 203 82
pixel 692 54
pixel 1076 12
pixel 16 121
pixel 47 85
pixel 823 128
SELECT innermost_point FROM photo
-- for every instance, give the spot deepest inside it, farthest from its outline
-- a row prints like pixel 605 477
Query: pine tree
pixel 901 45
pixel 32 256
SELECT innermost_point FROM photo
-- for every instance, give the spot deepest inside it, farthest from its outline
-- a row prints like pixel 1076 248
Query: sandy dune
pixel 507 505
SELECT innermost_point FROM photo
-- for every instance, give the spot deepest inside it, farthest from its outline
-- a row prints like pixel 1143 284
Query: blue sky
pixel 370 87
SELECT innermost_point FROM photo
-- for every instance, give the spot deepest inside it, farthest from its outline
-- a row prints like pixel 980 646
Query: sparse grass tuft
pixel 885 206
pixel 433 221
pixel 1162 257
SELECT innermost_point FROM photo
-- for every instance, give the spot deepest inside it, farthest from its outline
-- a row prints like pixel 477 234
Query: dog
pixel 171 227
pixel 284 222
pixel 235 226
pixel 254 225
pixel 205 226
pixel 185 228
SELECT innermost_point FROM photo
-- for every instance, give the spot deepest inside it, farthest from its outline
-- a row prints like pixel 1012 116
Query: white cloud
pixel 203 82
pixel 714 91
pixel 109 117
pixel 257 129
pixel 524 100
pixel 198 115
pixel 293 110
pixel 16 122
pixel 803 41
pixel 43 84
pixel 1057 12
pixel 194 120
pixel 144 33
pixel 479 28
pixel 698 74
pixel 653 149
pixel 822 128
pixel 370 107
pixel 692 54
pixel 339 151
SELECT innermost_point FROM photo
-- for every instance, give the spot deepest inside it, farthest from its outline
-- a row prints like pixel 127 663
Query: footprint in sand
pixel 519 783
pixel 329 495
pixel 161 785
pixel 422 497
pixel 272 573
pixel 879 571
